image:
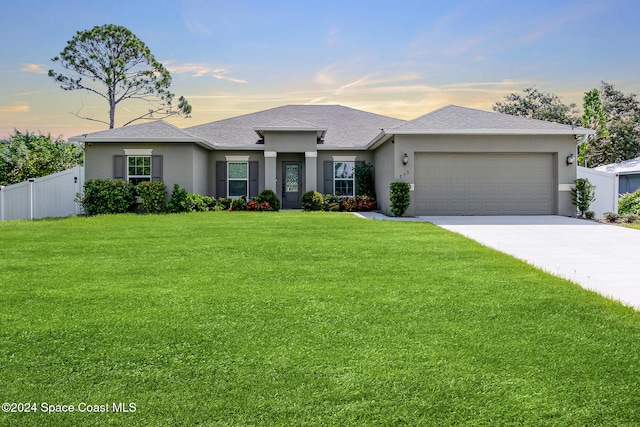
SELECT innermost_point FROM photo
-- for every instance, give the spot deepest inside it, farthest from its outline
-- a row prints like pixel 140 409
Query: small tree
pixel 582 194
pixel 364 180
pixel 400 197
pixel 117 66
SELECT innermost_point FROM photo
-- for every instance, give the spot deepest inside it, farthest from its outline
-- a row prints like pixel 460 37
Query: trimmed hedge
pixel 108 196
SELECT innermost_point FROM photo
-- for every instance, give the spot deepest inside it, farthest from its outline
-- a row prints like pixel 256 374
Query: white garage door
pixel 484 184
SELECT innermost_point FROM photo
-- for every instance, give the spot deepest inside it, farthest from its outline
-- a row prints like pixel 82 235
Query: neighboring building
pixel 460 161
pixel 628 172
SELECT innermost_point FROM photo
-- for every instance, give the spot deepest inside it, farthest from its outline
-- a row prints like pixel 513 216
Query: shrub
pixel 179 201
pixel 239 204
pixel 349 204
pixel 312 201
pixel 630 218
pixel 330 203
pixel 400 197
pixel 629 203
pixel 223 204
pixel 270 199
pixel 589 214
pixel 153 194
pixel 611 216
pixel 582 194
pixel 106 196
pixel 364 180
pixel 366 203
pixel 198 203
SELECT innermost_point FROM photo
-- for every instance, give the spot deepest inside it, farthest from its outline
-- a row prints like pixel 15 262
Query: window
pixel 344 179
pixel 238 179
pixel 139 169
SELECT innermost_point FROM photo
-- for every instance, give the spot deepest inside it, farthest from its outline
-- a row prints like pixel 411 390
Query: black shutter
pixel 253 179
pixel 328 177
pixel 118 167
pixel 156 168
pixel 221 179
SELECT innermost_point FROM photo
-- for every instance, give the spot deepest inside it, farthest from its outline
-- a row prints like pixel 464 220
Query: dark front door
pixel 291 185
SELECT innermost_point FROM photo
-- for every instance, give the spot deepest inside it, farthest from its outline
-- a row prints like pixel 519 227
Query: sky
pixel 398 58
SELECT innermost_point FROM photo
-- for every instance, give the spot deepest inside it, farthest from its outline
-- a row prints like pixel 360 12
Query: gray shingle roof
pixel 345 127
pixel 154 131
pixel 454 119
pixel 626 166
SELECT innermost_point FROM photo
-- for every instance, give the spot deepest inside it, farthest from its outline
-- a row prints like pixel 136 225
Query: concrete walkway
pixel 599 257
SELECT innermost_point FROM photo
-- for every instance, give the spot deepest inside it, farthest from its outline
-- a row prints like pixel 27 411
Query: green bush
pixel 153 194
pixel 629 203
pixel 611 216
pixel 198 203
pixel 630 218
pixel 312 201
pixel 223 204
pixel 179 201
pixel 400 197
pixel 364 180
pixel 106 196
pixel 582 194
pixel 589 214
pixel 270 198
pixel 239 204
pixel 330 203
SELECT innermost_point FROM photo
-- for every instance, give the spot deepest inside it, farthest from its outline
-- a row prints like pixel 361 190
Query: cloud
pixel 34 68
pixel 17 107
pixel 202 70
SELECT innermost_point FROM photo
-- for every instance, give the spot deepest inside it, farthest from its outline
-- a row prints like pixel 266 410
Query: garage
pixel 485 184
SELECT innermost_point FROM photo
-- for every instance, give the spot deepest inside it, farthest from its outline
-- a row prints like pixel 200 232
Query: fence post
pixel 1 203
pixel 31 181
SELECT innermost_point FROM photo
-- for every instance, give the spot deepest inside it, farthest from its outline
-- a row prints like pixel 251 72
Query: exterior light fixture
pixel 405 159
pixel 570 159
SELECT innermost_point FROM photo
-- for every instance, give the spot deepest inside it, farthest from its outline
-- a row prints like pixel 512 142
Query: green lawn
pixel 293 319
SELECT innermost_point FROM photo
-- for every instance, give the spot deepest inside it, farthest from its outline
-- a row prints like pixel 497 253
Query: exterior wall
pixel 200 170
pixel 290 141
pixel 558 145
pixel 384 172
pixel 361 156
pixel 177 161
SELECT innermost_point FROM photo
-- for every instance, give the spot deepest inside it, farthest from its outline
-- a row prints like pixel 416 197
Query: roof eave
pixel 89 139
pixel 577 131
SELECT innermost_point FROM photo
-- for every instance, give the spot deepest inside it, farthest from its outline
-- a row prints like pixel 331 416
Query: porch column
pixel 270 183
pixel 311 170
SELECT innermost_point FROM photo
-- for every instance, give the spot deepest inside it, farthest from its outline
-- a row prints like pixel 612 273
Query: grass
pixel 300 319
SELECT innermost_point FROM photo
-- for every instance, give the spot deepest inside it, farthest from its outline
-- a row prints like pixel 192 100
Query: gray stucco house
pixel 459 161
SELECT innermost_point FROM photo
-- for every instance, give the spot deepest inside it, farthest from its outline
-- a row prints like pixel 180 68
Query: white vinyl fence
pixel 49 196
pixel 606 190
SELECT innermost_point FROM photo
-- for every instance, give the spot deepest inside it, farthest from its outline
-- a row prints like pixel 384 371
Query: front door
pixel 291 185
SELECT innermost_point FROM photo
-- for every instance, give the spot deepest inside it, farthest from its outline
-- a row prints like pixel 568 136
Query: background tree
pixel 117 66
pixel 27 155
pixel 537 105
pixel 615 117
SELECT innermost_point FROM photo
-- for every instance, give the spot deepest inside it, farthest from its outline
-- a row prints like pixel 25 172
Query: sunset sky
pixel 397 58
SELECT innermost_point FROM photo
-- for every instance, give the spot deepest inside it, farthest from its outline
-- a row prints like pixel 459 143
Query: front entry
pixel 291 185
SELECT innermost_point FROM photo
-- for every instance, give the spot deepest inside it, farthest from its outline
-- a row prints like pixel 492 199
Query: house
pixel 628 173
pixel 459 161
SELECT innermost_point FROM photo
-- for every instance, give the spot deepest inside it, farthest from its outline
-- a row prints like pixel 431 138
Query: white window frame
pixel 230 179
pixel 141 177
pixel 352 179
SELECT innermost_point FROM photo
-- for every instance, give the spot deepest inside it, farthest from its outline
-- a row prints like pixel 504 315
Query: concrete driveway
pixel 600 257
